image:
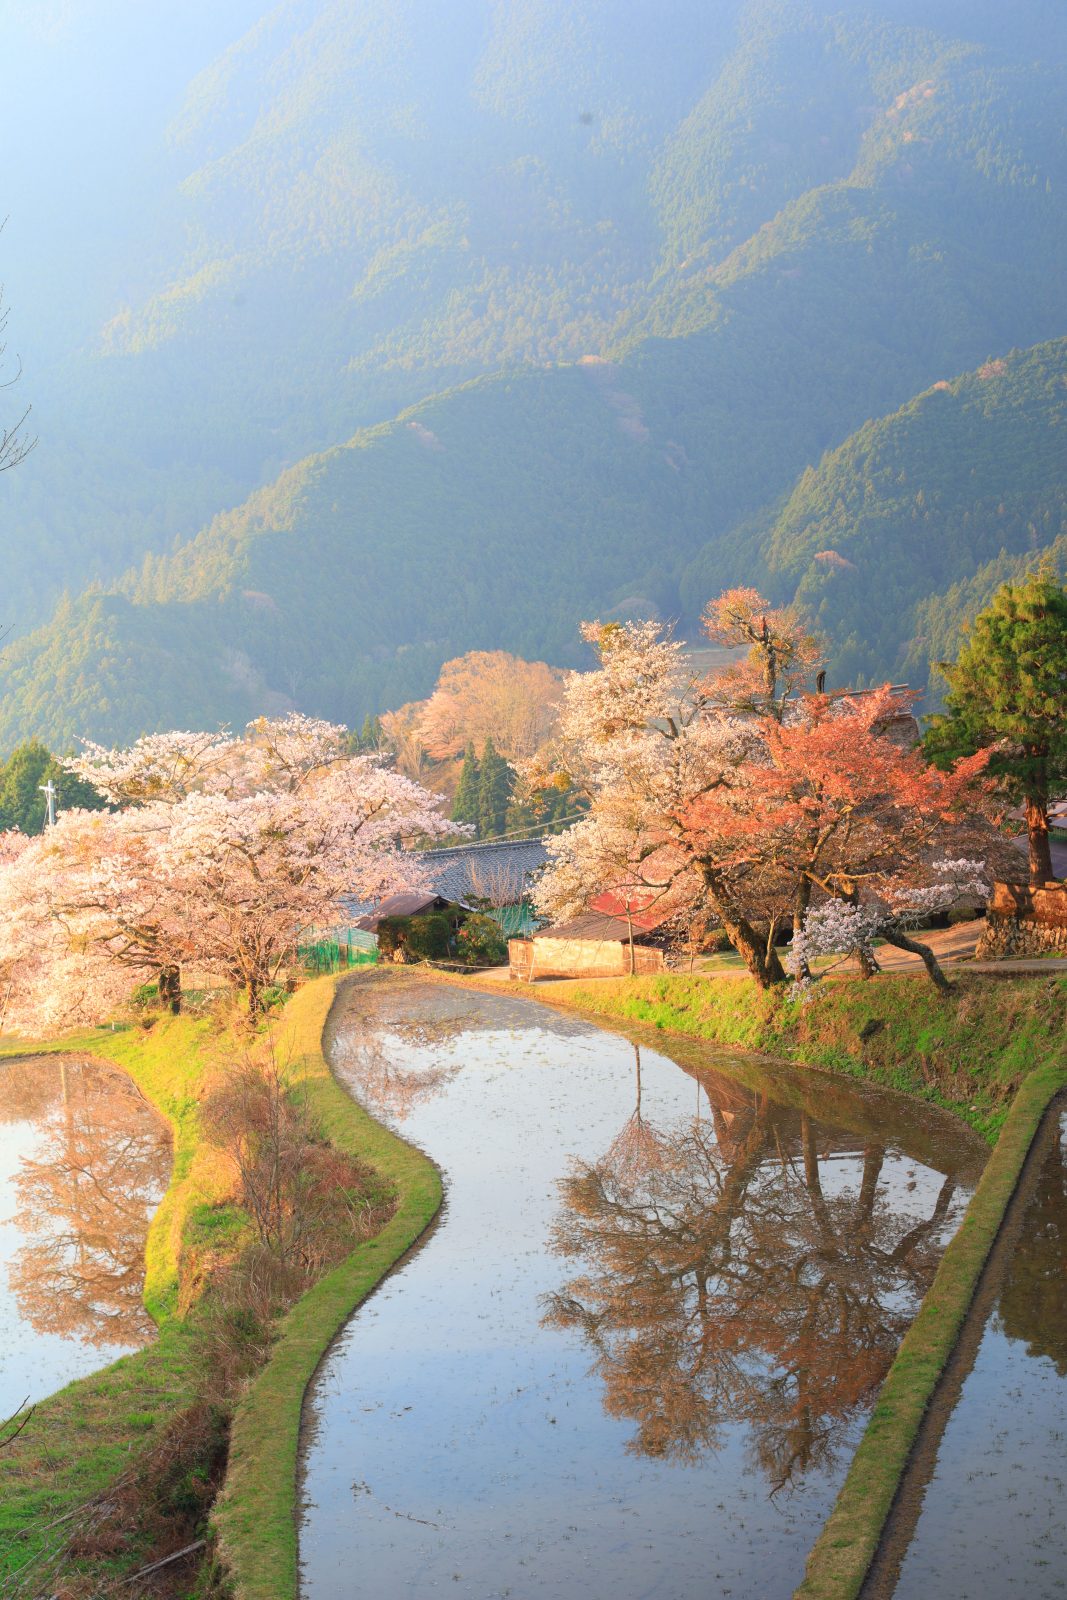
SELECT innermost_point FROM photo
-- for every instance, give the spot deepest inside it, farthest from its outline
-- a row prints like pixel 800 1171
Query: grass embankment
pixel 256 1517
pixel 86 1438
pixel 969 1052
pixel 843 1553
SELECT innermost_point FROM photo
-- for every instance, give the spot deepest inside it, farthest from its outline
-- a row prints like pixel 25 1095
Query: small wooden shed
pixel 594 945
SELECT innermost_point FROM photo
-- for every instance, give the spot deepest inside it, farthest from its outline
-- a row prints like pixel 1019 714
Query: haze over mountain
pixel 489 317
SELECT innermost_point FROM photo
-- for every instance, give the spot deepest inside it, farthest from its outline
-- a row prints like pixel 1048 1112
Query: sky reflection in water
pixel 638 1351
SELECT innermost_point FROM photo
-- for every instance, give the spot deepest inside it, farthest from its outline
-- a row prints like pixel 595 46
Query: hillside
pixel 696 270
pixel 347 209
pixel 959 489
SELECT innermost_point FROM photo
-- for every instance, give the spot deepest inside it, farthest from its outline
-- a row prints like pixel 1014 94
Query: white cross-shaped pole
pixel 49 791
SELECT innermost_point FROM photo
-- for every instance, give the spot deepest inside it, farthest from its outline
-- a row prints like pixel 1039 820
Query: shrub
pixel 481 942
pixel 424 938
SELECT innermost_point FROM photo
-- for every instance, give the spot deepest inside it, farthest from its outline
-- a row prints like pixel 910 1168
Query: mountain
pixel 630 281
pixel 960 489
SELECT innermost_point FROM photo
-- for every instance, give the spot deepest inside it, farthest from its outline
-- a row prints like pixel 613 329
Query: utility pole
pixel 49 791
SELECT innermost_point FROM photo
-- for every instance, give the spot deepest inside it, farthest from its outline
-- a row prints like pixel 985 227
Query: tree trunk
pixel 253 1000
pixel 763 963
pixel 868 961
pixel 170 989
pixel 901 941
pixel 1037 835
pixel 801 971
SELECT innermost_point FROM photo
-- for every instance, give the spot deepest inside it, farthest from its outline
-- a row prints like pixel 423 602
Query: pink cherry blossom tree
pixel 86 914
pixel 253 874
pixel 222 852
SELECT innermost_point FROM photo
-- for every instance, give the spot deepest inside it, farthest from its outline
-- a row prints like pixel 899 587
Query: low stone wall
pixel 1022 921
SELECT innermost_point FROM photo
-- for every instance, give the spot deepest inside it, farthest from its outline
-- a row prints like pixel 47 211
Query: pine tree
pixel 370 737
pixel 1007 690
pixel 465 805
pixel 494 793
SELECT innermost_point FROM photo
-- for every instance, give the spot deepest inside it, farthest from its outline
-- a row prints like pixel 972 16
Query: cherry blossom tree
pixel 638 739
pixel 781 654
pixel 828 806
pixel 842 927
pixel 253 874
pixel 744 794
pixel 164 767
pixel 85 915
pixel 223 852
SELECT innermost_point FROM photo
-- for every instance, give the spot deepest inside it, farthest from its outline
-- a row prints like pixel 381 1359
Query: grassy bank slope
pixel 84 1437
pixel 969 1052
pixel 842 1555
pixel 256 1515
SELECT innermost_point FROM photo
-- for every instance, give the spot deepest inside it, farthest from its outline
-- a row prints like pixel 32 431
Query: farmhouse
pixel 493 878
pixel 603 942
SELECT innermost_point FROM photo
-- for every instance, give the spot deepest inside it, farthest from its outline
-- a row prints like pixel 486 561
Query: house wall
pixel 542 957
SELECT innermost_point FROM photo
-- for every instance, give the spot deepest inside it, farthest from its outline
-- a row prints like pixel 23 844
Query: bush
pixel 424 938
pixel 481 942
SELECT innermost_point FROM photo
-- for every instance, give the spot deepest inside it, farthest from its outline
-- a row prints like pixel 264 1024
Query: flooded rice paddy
pixel 84 1162
pixel 637 1352
pixel 992 1524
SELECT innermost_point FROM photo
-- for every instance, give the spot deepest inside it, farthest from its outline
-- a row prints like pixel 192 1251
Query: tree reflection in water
pixel 375 1069
pixel 721 1283
pixel 84 1200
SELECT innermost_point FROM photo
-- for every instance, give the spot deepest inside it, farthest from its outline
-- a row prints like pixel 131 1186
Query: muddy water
pixel 84 1162
pixel 992 1524
pixel 635 1356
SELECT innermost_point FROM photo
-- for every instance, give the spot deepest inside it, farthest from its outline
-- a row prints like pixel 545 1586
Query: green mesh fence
pixel 329 955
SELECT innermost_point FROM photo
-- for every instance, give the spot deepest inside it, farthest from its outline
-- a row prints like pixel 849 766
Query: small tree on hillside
pixel 27 769
pixel 1008 689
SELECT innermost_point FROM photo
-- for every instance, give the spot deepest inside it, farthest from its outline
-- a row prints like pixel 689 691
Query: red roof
pixel 615 905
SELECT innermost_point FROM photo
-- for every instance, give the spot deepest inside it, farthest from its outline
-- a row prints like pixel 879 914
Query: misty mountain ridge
pixel 639 283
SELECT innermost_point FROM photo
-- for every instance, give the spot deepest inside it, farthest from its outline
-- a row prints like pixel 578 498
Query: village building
pixel 603 942
pixel 492 878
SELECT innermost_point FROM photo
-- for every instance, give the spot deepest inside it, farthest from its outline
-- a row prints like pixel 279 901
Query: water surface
pixel 993 1524
pixel 84 1162
pixel 635 1356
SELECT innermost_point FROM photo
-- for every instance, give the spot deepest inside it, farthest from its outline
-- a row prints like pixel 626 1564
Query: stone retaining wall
pixel 1022 921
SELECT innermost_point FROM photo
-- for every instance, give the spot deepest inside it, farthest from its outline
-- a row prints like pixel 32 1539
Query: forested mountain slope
pixel 707 243
pixel 964 486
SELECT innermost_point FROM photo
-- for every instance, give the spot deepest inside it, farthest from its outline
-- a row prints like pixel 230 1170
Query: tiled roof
pixel 596 928
pixel 647 918
pixel 498 870
pixel 406 904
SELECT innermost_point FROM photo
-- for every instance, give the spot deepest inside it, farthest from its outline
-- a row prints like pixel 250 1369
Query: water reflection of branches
pixel 84 1201
pixel 639 1147
pixel 723 1285
pixel 382 1082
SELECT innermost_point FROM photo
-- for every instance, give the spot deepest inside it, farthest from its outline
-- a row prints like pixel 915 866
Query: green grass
pixel 86 1435
pixel 256 1514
